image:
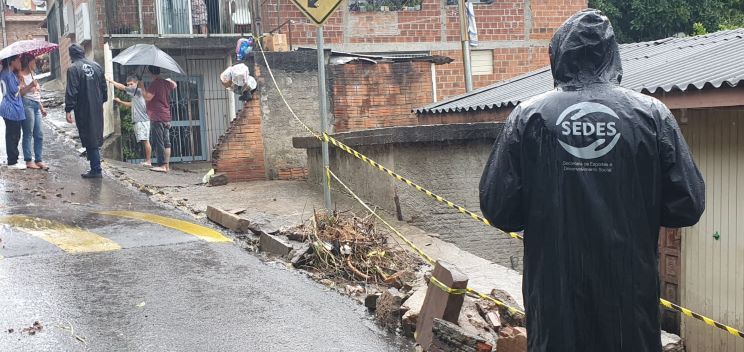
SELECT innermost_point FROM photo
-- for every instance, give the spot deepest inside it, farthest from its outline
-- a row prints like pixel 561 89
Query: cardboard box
pixel 276 42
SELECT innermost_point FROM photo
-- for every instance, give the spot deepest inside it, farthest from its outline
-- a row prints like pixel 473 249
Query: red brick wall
pixel 21 27
pixel 500 20
pixel 126 17
pixel 507 63
pixel 437 25
pixel 366 95
pixel 293 174
pixel 240 151
pixel 547 15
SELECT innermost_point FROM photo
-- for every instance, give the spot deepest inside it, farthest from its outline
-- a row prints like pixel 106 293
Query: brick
pixel 512 339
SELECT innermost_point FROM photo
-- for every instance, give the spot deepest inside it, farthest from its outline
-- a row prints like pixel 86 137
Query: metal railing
pixel 178 17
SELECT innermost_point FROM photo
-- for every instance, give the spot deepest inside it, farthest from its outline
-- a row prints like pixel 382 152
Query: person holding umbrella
pixel 86 93
pixel 11 109
pixel 157 96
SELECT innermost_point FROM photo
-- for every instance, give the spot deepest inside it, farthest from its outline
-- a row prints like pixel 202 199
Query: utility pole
pixel 465 39
pixel 5 30
pixel 323 118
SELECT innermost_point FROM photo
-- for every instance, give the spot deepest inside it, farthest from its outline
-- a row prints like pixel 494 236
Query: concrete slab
pixel 274 245
pixel 228 220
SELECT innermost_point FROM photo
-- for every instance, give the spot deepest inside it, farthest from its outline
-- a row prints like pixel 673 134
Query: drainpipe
pixel 5 32
pixel 465 38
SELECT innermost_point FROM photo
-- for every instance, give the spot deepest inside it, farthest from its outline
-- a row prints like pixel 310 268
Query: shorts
pixel 142 130
pixel 160 139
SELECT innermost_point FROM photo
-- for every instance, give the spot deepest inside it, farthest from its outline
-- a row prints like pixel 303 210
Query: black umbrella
pixel 147 55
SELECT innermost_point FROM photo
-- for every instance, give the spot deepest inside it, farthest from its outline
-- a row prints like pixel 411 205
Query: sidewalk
pixel 282 204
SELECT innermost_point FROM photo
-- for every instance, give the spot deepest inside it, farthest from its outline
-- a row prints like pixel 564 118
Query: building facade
pixel 202 109
pixel 513 35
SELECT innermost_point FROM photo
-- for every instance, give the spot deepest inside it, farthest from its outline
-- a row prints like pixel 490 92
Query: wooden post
pixel 439 304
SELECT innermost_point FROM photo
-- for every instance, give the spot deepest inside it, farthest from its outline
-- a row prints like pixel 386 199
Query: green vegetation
pixel 127 128
pixel 643 20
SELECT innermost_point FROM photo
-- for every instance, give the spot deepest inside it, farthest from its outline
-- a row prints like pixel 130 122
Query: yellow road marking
pixel 70 239
pixel 199 231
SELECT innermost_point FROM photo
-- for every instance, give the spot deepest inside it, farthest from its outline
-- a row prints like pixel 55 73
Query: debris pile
pixel 346 247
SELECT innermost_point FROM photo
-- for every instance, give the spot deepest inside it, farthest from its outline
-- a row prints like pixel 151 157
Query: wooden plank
pixel 719 259
pixel 736 255
pixel 712 294
pixel 439 304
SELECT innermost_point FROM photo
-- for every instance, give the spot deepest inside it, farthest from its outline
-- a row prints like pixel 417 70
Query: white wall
pixel 713 270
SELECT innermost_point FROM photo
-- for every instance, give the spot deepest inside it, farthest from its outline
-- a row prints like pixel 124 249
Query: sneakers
pixel 17 166
pixel 91 174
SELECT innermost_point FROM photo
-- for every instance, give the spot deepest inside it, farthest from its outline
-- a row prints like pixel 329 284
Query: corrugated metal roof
pixel 714 59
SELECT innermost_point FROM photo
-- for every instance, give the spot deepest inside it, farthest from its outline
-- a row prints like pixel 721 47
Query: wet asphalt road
pixel 105 283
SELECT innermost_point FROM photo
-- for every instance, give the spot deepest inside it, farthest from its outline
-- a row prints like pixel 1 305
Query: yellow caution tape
pixel 328 139
pixel 425 256
pixel 702 318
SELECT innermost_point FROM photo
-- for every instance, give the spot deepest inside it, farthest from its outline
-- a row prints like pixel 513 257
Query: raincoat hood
pixel 584 51
pixel 77 52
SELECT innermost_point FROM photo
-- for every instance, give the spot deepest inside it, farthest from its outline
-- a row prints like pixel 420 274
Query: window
pixel 482 62
pixel 475 2
pixel 384 5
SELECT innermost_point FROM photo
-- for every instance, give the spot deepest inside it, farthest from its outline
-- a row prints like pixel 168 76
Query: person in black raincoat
pixel 86 93
pixel 591 171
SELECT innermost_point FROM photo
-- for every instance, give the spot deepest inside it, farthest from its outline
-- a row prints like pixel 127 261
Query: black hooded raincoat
pixel 590 171
pixel 86 93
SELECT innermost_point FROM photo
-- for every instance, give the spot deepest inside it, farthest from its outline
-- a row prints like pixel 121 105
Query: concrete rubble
pixel 512 339
pixel 274 245
pixel 388 310
pixel 412 308
pixel 671 342
pixel 218 180
pixel 449 337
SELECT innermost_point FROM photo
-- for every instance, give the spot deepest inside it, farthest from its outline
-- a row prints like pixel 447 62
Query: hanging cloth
pixel 472 28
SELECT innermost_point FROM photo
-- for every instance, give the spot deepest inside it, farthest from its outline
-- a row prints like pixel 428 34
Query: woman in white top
pixel 33 137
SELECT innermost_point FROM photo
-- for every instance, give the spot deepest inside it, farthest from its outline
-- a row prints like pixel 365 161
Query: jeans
pixel 94 155
pixel 32 130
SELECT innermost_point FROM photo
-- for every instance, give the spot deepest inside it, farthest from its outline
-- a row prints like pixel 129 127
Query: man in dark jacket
pixel 86 93
pixel 590 171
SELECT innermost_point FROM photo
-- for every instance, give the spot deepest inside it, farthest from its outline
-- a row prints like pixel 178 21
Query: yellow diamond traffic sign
pixel 317 11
